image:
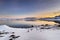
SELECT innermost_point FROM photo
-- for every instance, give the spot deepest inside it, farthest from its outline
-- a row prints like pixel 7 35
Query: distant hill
pixel 30 19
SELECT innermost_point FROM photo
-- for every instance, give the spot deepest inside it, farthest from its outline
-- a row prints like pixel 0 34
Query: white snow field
pixel 44 34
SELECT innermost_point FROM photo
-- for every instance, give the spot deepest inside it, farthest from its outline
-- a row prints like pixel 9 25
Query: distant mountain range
pixel 30 19
pixel 55 19
pixel 10 19
pixel 47 18
pixel 34 18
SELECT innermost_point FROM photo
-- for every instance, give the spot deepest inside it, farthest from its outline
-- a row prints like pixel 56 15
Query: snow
pixel 4 27
pixel 42 34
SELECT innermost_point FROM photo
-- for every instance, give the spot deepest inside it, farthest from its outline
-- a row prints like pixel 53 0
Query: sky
pixel 29 8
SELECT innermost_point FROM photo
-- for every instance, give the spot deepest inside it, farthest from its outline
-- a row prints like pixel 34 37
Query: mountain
pixel 30 19
pixel 55 19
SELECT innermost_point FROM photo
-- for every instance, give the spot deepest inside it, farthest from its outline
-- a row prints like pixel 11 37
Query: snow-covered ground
pixel 43 34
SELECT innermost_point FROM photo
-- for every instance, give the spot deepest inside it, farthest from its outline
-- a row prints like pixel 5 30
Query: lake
pixel 25 23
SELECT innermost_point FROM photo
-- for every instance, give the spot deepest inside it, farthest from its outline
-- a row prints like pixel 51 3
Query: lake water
pixel 19 22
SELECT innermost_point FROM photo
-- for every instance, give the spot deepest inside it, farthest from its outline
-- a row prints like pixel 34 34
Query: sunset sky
pixel 29 8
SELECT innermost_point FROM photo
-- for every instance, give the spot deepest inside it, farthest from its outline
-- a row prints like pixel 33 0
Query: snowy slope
pixel 49 34
pixel 4 27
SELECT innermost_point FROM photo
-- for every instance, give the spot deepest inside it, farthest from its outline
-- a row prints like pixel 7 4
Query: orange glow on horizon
pixel 47 14
pixel 37 15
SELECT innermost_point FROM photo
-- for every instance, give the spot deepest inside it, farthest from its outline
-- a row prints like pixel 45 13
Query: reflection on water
pixel 21 23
